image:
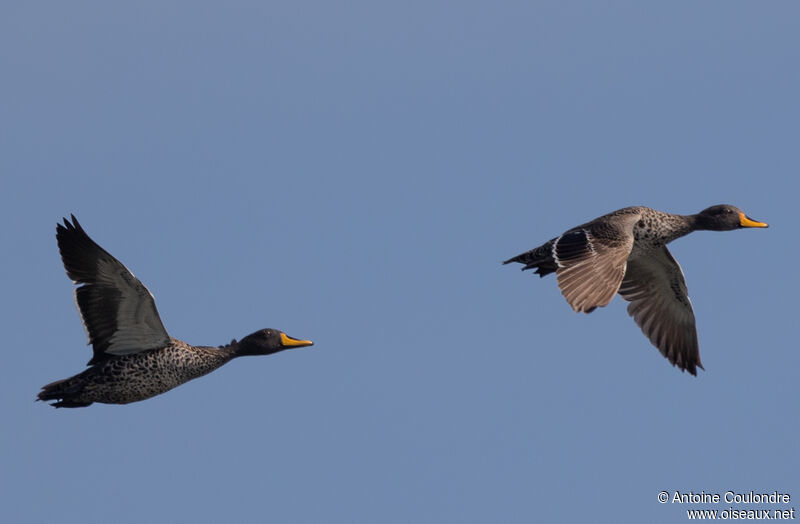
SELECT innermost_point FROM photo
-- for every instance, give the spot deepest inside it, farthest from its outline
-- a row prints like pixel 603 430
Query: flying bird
pixel 134 356
pixel 626 252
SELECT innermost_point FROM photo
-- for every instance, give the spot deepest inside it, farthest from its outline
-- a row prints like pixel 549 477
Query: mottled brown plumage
pixel 134 357
pixel 625 252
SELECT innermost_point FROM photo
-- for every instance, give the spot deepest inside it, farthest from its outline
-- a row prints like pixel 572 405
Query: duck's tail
pixel 63 391
pixel 540 258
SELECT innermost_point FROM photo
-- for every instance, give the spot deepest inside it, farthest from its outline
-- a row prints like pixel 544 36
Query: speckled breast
pixel 139 376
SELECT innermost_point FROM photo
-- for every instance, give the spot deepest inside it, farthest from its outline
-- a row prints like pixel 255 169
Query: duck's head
pixel 725 217
pixel 268 341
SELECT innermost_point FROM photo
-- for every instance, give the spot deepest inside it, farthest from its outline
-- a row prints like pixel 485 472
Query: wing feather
pixel 118 312
pixel 659 304
pixel 590 269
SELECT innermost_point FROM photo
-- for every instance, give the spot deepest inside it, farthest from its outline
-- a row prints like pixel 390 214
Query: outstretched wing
pixel 590 268
pixel 117 311
pixel 659 303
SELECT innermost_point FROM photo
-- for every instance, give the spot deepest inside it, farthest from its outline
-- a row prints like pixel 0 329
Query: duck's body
pixel 134 357
pixel 625 252
pixel 138 376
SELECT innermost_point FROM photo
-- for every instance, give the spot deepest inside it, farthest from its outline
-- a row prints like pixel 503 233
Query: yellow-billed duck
pixel 134 357
pixel 625 252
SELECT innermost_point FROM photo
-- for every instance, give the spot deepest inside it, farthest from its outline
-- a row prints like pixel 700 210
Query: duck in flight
pixel 626 252
pixel 134 357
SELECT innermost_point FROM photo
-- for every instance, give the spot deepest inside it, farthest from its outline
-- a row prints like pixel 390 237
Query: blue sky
pixel 354 173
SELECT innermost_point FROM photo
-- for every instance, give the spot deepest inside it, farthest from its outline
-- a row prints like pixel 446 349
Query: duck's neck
pixel 231 350
pixel 676 226
pixel 237 349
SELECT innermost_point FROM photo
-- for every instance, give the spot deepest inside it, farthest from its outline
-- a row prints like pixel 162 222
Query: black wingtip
pixel 691 368
pixel 69 226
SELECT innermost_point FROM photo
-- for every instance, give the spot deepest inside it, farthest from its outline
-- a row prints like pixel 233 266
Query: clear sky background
pixel 354 173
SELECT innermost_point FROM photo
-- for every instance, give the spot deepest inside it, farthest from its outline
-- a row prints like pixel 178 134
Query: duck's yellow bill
pixel 746 221
pixel 288 341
